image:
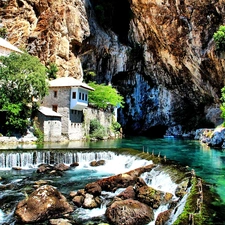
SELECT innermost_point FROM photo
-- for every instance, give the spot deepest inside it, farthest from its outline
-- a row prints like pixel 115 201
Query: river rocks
pixel 93 188
pixel 123 180
pixel 97 163
pixel 60 222
pixel 181 189
pixel 44 203
pixel 152 197
pixel 163 217
pixel 128 193
pixel 56 169
pixel 78 200
pixel 134 205
pixel 212 137
pixel 129 212
pixel 61 167
pixel 90 201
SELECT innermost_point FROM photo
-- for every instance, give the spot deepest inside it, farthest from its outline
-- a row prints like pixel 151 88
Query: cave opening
pixel 157 131
pixel 115 15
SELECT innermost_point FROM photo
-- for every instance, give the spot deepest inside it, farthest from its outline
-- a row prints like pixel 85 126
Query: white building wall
pixel 4 51
pixel 52 130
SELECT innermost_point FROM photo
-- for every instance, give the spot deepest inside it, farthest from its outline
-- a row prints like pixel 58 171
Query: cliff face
pixel 162 59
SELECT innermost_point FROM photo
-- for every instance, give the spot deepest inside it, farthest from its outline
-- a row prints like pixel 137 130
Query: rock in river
pixel 44 203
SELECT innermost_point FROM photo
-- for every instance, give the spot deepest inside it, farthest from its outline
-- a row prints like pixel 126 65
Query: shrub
pixel 219 38
pixel 116 126
pixel 96 129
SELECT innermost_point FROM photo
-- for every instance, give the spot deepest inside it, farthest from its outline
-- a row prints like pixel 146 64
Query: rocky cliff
pixel 159 54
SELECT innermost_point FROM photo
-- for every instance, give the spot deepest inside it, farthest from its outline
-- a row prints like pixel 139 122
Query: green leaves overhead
pixel 23 76
pixel 104 96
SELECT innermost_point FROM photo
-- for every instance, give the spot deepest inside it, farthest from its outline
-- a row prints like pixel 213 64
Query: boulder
pixel 217 138
pixel 93 188
pixel 123 180
pixel 60 222
pixel 44 168
pixel 75 164
pixel 61 167
pixel 44 203
pixel 152 197
pixel 127 193
pixel 78 200
pixel 91 202
pixel 97 163
pixel 163 217
pixel 129 212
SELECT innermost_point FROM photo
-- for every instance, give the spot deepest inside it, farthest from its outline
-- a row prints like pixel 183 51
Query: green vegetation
pixel 116 126
pixel 3 32
pixel 22 80
pixel 104 96
pixel 89 76
pixel 39 134
pixel 96 129
pixel 52 70
pixel 219 38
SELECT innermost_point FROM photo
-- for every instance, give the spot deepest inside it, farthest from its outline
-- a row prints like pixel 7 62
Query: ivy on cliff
pixel 22 80
pixel 219 38
pixel 222 106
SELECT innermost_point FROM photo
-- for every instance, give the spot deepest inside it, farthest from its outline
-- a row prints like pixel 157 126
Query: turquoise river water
pixel 208 163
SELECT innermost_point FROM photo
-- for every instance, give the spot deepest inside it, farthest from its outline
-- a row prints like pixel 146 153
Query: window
pixel 85 97
pixel 55 94
pixel 55 108
pixel 80 96
pixel 74 95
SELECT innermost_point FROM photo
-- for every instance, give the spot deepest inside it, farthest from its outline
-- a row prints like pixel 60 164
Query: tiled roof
pixel 69 82
pixel 6 44
pixel 48 112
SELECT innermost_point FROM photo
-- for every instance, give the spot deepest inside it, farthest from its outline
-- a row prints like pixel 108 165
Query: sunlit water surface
pixel 208 163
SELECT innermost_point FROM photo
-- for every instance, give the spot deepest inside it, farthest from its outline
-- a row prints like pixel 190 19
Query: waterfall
pixel 32 159
pixel 114 164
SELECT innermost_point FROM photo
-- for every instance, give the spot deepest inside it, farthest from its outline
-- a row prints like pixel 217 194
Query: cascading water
pixel 76 178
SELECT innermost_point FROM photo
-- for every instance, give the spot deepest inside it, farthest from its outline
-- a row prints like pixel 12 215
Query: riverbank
pixel 214 138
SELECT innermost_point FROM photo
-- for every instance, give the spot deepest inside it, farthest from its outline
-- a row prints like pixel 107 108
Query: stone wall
pixel 62 100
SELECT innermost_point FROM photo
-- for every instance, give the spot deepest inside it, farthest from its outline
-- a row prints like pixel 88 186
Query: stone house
pixel 6 48
pixel 62 109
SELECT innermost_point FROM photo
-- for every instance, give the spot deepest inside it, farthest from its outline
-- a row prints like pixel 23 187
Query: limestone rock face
pixel 51 30
pixel 168 70
pixel 44 203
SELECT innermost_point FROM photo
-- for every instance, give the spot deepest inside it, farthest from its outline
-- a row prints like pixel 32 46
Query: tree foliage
pixel 22 79
pixel 104 96
pixel 219 38
pixel 52 70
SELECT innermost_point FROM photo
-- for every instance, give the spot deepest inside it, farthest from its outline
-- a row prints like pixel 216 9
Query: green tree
pixel 104 96
pixel 219 38
pixel 22 81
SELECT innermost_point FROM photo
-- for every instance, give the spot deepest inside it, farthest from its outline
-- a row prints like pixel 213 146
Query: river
pixel 208 163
